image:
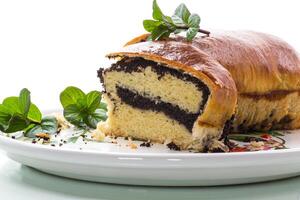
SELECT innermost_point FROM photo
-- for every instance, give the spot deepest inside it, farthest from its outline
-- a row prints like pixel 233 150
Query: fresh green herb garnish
pixel 244 137
pixel 79 133
pixel 275 133
pixel 48 125
pixel 254 135
pixel 83 110
pixel 161 26
pixel 19 114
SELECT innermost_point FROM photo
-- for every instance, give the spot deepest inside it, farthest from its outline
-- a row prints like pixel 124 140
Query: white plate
pixel 157 166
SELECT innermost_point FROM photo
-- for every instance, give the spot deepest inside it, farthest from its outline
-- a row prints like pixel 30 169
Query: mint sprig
pixel 161 26
pixel 19 114
pixel 83 110
pixel 48 125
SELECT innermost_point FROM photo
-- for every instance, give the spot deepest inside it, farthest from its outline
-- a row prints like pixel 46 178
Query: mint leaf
pixel 73 114
pixel 93 100
pixel 15 123
pixel 85 110
pixel 19 114
pixel 34 114
pixel 5 114
pixel 178 21
pixel 12 119
pixel 2 127
pixel 70 96
pixel 167 21
pixel 97 116
pixel 150 25
pixel 191 33
pixel 12 103
pixel 24 101
pixel 103 106
pixel 159 32
pixel 183 13
pixel 194 21
pixel 48 125
pixel 23 106
pixel 73 139
pixel 81 103
pixel 31 133
pixel 157 13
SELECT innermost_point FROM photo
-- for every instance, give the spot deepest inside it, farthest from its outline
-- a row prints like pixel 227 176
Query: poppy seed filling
pixel 138 95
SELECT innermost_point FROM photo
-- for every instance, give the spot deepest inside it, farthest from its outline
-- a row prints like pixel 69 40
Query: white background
pixel 48 45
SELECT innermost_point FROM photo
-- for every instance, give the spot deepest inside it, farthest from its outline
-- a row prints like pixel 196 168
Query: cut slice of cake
pixel 168 98
pixel 193 93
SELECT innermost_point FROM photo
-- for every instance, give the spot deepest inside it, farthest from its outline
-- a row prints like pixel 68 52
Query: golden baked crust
pixel 259 63
pixel 183 56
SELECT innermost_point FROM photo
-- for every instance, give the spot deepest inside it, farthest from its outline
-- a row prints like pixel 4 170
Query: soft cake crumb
pixel 133 146
pixel 40 141
pixel 257 144
pixel 61 121
pixel 45 136
pixel 102 126
pixel 98 135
